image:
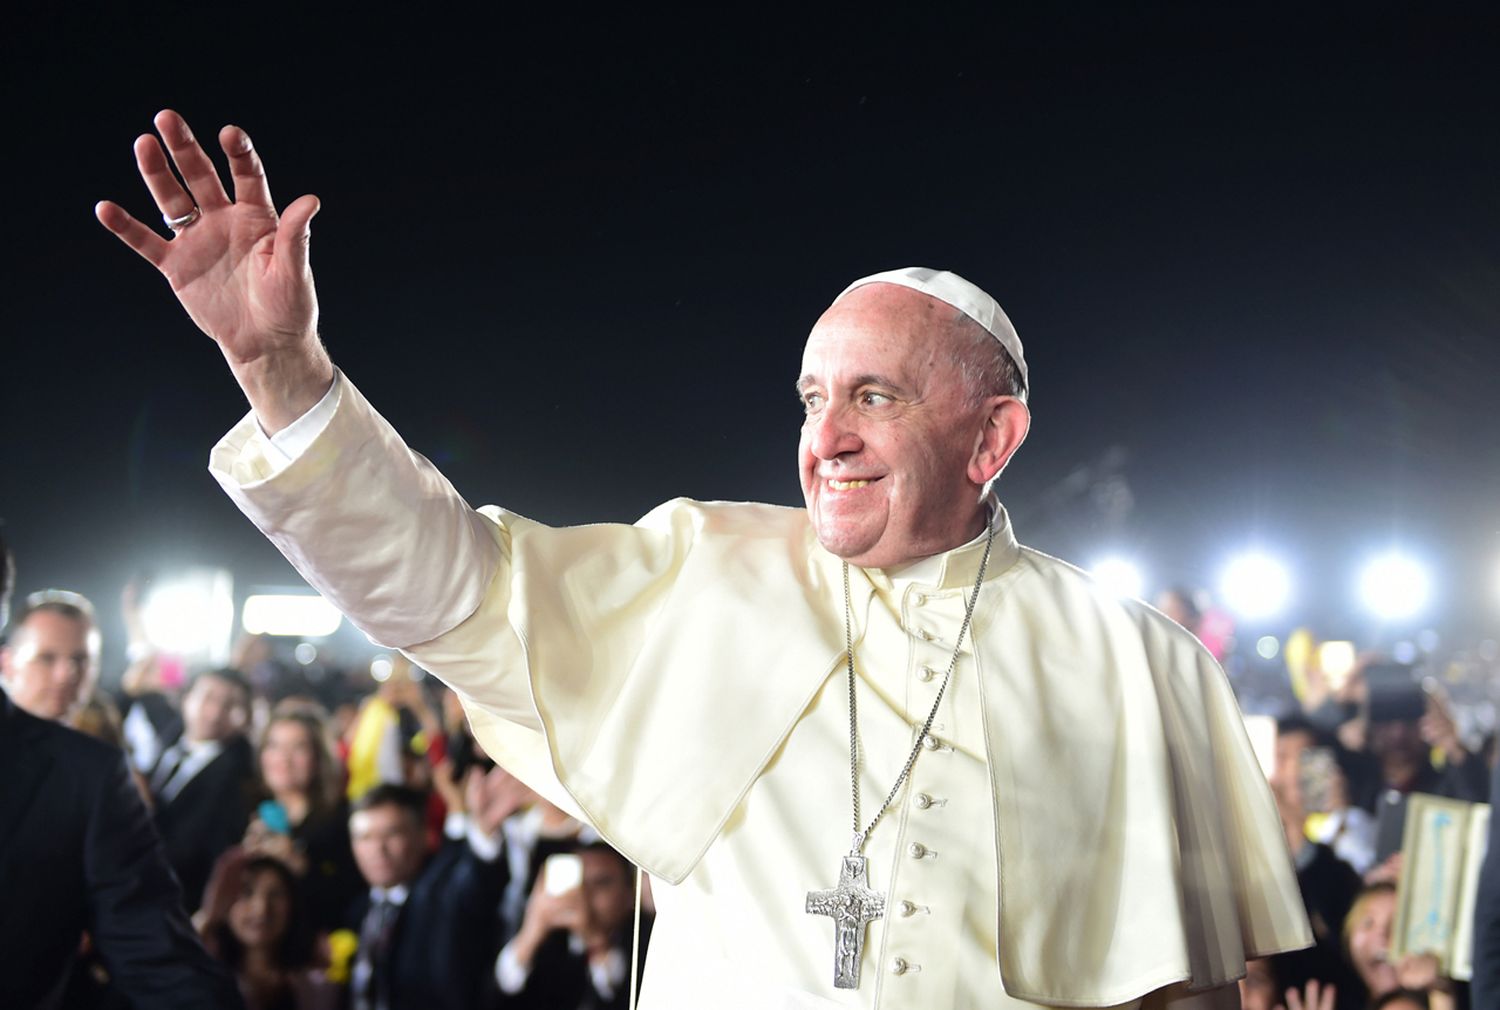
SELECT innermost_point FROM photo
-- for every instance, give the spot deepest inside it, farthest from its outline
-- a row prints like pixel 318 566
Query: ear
pixel 1006 422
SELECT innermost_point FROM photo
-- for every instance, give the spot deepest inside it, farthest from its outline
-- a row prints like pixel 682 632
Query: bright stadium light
pixel 1394 586
pixel 1121 577
pixel 191 615
pixel 294 616
pixel 1256 586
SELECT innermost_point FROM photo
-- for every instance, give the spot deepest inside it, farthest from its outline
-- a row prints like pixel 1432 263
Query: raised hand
pixel 240 270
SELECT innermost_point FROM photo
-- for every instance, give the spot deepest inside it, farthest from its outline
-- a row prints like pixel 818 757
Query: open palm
pixel 238 268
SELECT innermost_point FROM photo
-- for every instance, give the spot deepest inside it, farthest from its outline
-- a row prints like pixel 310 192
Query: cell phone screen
pixel 562 873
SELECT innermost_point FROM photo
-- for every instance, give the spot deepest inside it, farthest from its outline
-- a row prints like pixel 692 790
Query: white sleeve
pixel 293 440
pixel 369 523
pixel 510 972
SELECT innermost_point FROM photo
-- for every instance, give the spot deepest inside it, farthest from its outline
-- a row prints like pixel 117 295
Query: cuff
pixel 509 972
pixel 293 440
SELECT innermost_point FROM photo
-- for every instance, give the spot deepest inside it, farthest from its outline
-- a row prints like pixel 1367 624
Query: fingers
pixel 245 168
pixel 151 246
pixel 294 234
pixel 196 168
pixel 171 199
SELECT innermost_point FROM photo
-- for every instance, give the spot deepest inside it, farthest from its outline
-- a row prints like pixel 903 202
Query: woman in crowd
pixel 254 924
pixel 304 821
pixel 1367 942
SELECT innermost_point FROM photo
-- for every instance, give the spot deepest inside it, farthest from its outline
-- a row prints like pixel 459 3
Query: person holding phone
pixel 304 820
pixel 573 948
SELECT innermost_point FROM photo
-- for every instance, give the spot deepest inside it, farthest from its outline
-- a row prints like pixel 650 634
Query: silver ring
pixel 179 223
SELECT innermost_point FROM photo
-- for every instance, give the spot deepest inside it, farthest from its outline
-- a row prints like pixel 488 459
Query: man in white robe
pixel 1083 825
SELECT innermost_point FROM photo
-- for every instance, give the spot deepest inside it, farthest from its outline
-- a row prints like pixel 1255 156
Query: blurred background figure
pixel 427 927
pixel 303 819
pixel 203 783
pixel 254 923
pixel 77 852
pixel 1367 942
pixel 50 661
pixel 573 949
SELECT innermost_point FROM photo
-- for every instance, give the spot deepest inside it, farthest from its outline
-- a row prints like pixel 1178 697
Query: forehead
pixel 386 817
pixel 48 629
pixel 878 327
pixel 288 731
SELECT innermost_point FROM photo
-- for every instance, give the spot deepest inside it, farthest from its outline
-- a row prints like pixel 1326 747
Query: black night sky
pixel 1255 260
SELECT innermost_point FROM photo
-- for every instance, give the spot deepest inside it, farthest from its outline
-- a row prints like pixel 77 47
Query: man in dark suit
pixel 429 927
pixel 203 783
pixel 77 852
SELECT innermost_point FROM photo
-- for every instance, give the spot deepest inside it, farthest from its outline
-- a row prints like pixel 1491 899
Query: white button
pixel 930 742
pixel 925 635
pixel 899 966
pixel 922 801
pixel 919 598
pixel 925 673
pixel 908 908
pixel 916 850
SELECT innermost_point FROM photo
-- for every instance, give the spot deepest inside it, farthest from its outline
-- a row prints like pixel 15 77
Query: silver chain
pixel 911 759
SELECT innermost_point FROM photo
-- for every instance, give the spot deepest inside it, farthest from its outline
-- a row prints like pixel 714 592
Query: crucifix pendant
pixel 852 905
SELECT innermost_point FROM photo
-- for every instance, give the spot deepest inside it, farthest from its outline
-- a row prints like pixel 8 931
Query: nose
pixel 830 434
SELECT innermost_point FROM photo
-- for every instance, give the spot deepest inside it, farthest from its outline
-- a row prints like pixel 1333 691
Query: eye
pixel 812 401
pixel 870 398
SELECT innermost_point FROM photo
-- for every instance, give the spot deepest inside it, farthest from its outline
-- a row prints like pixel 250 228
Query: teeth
pixel 847 485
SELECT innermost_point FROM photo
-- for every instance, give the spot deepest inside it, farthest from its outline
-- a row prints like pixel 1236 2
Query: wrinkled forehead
pixel 881 321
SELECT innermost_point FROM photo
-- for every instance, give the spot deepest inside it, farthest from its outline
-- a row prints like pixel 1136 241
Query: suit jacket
pixel 208 816
pixel 560 979
pixel 447 933
pixel 1486 981
pixel 77 851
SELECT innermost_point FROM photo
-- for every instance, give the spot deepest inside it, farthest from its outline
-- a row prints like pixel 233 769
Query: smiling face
pixel 1369 940
pixel 894 455
pixel 260 916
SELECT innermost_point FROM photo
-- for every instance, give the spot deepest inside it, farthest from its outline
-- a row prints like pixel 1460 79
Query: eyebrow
pixel 867 379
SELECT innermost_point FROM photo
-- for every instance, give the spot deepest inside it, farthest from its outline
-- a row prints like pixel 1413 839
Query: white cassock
pixel 1088 827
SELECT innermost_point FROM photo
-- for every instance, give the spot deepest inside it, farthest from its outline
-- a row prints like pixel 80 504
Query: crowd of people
pixel 331 847
pixel 343 842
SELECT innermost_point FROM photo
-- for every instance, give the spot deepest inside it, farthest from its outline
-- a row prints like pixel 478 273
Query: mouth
pixel 850 485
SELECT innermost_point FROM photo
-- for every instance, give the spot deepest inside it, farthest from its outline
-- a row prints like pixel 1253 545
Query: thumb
pixel 294 233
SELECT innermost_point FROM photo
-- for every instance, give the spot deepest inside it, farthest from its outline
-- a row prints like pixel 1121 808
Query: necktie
pixel 166 767
pixel 371 973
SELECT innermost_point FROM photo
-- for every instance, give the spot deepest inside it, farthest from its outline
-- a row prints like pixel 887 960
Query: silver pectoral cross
pixel 852 905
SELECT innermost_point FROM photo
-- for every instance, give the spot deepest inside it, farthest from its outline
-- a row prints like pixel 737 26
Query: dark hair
pixel 296 949
pixel 388 794
pixel 1294 723
pixel 605 848
pixel 228 675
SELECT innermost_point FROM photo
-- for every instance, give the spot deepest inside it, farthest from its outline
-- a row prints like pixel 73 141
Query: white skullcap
pixel 965 297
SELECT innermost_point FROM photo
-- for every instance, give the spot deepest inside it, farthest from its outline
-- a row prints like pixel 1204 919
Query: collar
pixel 396 895
pixel 957 568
